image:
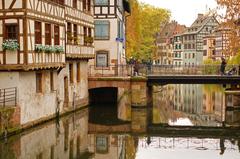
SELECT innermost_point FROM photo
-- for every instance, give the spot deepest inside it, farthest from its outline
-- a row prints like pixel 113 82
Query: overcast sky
pixel 184 11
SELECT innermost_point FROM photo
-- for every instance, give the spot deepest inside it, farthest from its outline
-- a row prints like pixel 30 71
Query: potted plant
pixel 59 49
pixel 88 40
pixel 39 48
pixel 10 44
pixel 49 49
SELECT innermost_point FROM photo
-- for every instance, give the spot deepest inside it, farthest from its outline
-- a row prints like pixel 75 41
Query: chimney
pixel 200 15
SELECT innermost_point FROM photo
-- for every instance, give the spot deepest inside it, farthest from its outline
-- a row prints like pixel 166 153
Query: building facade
pixel 193 39
pixel 109 21
pixel 165 43
pixel 44 53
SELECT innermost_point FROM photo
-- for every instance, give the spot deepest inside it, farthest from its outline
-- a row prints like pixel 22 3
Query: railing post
pixel 102 70
pixel 4 98
pixel 15 96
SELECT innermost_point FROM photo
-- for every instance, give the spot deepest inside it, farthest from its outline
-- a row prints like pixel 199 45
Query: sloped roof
pixel 198 24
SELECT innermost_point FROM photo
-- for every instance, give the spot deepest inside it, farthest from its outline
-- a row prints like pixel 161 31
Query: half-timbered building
pixel 45 46
pixel 193 39
pixel 109 21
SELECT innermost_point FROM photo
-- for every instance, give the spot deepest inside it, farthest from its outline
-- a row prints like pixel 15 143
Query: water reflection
pixel 198 105
pixel 122 132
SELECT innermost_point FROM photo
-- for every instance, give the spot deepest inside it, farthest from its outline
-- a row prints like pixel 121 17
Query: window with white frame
pixel 101 2
pixel 102 59
pixel 102 30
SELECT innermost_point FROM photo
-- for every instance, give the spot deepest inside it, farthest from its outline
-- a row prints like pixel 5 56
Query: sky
pixel 183 11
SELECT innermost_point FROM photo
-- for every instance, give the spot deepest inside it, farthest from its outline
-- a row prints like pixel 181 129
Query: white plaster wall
pixel 80 88
pixel 35 105
pixel 9 79
pixel 111 45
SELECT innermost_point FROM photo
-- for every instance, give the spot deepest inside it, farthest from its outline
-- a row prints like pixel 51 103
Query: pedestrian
pixel 223 65
pixel 136 68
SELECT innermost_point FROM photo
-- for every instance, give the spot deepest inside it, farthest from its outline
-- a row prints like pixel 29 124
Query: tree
pixel 142 26
pixel 232 21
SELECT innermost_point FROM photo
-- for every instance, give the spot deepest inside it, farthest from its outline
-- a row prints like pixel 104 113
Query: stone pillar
pixel 139 120
pixel 139 91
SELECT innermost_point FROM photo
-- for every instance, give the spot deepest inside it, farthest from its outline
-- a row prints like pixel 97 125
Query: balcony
pixel 32 60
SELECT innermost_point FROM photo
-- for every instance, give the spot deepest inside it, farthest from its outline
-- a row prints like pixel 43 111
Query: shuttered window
pixel 56 35
pixel 11 31
pixel 74 3
pixel 69 32
pixel 38 32
pixel 75 34
pixel 48 34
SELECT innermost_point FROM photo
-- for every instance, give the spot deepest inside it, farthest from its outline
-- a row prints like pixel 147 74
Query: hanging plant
pixel 49 49
pixel 88 39
pixel 10 44
pixel 39 48
pixel 59 49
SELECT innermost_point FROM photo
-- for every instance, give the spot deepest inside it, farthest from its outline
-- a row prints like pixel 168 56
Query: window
pixel 101 144
pixel 51 81
pixel 71 73
pixel 75 34
pixel 56 35
pixel 89 5
pixel 120 29
pixel 84 5
pixel 69 32
pixel 101 30
pixel 193 46
pixel 102 59
pixel 101 2
pixel 74 3
pixel 89 32
pixel 85 35
pixel 193 55
pixel 38 32
pixel 48 34
pixel 11 31
pixel 38 82
pixel 78 72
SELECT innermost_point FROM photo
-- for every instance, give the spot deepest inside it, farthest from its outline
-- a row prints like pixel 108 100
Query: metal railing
pixel 190 70
pixel 145 70
pixel 8 97
pixel 110 71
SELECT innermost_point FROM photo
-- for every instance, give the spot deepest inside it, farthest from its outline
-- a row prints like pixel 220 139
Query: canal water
pixel 122 132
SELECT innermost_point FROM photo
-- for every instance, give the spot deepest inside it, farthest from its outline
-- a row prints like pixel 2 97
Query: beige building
pixel 110 20
pixel 44 53
pixel 165 43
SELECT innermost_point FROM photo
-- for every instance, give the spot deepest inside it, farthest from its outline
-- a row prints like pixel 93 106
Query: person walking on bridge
pixel 223 65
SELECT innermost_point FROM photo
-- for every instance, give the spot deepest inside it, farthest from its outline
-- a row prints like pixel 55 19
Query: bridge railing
pixel 144 70
pixel 189 70
pixel 110 71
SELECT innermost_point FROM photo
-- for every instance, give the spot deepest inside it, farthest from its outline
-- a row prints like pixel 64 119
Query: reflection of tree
pixel 6 151
pixel 131 147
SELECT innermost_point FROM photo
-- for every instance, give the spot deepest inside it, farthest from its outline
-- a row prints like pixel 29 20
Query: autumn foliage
pixel 142 25
pixel 231 20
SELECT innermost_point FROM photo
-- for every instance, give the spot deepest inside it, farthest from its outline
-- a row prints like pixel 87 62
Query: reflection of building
pixel 232 102
pixel 68 139
pixel 201 104
pixel 107 146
